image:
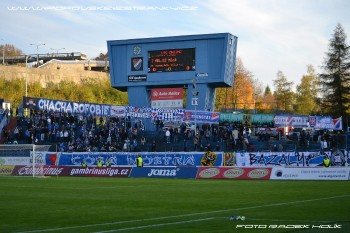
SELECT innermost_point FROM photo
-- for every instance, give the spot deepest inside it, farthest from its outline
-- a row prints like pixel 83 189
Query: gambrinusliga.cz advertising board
pixel 71 171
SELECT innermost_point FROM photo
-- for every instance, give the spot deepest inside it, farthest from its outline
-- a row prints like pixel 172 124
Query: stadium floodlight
pixel 3 53
pixel 37 51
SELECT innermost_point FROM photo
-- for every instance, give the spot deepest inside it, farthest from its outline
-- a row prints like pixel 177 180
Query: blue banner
pixel 325 122
pixel 164 172
pixel 202 116
pixel 149 159
pixel 73 107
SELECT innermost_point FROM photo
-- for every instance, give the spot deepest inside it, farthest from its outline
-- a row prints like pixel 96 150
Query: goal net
pixel 30 155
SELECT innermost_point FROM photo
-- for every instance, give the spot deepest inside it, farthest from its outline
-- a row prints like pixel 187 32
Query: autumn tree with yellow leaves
pixel 241 95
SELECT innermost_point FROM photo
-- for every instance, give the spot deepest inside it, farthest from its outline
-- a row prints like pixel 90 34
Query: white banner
pixel 315 173
pixel 290 159
pixel 4 161
pixel 167 103
pixel 118 111
pixel 295 121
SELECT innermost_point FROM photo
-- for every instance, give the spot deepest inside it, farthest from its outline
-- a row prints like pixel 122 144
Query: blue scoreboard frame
pixel 138 65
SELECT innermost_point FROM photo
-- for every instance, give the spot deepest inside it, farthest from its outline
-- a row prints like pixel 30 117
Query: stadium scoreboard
pixel 171 60
pixel 141 65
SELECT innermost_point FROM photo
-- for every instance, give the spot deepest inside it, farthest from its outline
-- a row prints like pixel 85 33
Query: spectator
pixel 153 146
pixel 195 143
pixel 143 141
pixel 134 145
pixel 280 147
pixel 167 136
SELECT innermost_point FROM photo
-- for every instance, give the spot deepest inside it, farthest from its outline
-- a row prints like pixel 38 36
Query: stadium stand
pixel 78 133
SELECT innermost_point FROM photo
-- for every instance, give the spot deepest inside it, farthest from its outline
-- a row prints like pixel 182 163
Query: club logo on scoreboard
pixel 136 63
pixel 137 50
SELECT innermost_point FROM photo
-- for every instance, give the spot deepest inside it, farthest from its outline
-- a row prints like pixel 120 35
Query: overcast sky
pixel 273 35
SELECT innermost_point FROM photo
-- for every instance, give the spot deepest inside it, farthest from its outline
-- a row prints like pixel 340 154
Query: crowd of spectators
pixel 86 133
pixel 82 133
pixel 72 132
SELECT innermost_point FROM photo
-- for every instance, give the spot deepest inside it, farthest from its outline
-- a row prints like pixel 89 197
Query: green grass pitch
pixel 82 204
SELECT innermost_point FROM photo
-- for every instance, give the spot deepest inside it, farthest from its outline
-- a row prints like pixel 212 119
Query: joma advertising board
pixel 164 172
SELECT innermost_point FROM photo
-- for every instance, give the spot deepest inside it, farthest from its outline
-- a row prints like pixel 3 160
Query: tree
pixel 242 92
pixel 240 96
pixel 267 91
pixel 221 99
pixel 10 50
pixel 102 57
pixel 306 94
pixel 283 92
pixel 86 91
pixel 335 80
pixel 268 103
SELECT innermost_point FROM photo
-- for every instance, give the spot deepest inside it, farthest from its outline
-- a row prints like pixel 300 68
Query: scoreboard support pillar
pixel 140 96
pixel 206 97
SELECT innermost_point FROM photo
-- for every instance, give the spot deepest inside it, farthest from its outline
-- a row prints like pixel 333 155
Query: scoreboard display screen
pixel 171 60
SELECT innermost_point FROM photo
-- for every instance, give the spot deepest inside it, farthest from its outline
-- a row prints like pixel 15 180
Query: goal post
pixel 34 155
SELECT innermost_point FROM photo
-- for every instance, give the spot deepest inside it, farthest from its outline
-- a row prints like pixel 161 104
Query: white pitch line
pixel 155 225
pixel 185 215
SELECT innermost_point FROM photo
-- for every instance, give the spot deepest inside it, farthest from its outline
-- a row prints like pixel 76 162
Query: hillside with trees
pixel 92 91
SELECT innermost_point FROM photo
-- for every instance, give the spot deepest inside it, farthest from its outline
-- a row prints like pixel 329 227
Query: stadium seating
pixel 71 133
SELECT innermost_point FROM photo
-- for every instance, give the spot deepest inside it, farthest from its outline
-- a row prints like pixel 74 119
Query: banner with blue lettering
pixel 73 107
pixel 326 122
pixel 167 114
pixel 289 159
pixel 164 172
pixel 149 159
pixel 201 116
pixel 288 120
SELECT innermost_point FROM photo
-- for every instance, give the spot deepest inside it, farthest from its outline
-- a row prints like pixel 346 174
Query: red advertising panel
pixel 72 171
pixel 166 94
pixel 167 98
pixel 234 173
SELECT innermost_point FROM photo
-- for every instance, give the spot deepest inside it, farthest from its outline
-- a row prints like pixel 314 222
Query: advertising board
pixel 167 97
pixel 72 171
pixel 164 172
pixel 233 173
pixel 315 173
pixel 6 170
